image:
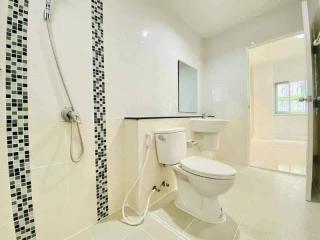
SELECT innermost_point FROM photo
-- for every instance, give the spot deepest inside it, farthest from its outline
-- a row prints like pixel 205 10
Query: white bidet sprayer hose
pixel 139 219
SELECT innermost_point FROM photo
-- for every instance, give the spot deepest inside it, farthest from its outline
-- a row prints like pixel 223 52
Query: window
pixel 287 96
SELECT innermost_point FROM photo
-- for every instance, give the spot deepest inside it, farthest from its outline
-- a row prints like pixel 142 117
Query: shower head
pixel 47 11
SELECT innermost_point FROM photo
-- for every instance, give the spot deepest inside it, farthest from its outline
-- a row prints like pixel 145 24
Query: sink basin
pixel 208 125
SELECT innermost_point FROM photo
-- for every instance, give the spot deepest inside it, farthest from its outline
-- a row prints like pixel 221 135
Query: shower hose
pixel 74 118
pixel 133 221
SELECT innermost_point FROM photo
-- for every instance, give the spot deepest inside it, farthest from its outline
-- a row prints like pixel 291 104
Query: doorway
pixel 278 114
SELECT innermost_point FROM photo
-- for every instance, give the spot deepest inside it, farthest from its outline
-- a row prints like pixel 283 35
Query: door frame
pixel 309 153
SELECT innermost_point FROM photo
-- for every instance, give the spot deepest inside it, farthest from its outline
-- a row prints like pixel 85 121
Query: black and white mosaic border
pixel 17 119
pixel 99 108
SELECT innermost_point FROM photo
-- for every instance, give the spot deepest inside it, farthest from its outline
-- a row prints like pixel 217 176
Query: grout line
pixel 241 219
pixel 77 233
pixel 186 228
pixel 146 232
pixel 237 229
pixel 167 226
pixel 125 236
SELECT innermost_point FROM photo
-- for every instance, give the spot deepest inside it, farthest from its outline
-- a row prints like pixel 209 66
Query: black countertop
pixel 163 117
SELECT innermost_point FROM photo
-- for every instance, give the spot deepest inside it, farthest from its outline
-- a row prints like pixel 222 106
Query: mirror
pixel 188 88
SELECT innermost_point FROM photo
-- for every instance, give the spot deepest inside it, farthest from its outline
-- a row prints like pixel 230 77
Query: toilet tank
pixel 171 145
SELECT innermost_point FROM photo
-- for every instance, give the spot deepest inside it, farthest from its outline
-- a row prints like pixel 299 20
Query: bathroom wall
pixel 61 196
pixel 64 193
pixel 143 43
pixel 226 70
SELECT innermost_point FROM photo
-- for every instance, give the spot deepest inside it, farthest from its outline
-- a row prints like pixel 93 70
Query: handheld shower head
pixel 47 11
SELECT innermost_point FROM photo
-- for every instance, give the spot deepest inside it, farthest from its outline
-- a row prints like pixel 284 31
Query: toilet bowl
pixel 200 180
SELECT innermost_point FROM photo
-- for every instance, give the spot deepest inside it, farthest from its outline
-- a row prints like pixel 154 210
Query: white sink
pixel 208 125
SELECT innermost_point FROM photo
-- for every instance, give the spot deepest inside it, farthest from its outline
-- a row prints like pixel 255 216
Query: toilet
pixel 200 180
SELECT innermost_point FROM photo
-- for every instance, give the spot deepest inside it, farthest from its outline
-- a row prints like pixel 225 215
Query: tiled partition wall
pixel 34 141
pixel 99 108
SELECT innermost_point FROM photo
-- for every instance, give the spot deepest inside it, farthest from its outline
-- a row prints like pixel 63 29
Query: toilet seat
pixel 208 168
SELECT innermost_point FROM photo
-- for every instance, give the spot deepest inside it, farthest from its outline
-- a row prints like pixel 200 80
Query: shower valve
pixel 70 115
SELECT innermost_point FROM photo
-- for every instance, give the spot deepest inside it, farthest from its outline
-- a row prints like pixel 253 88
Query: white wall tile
pixel 6 222
pixel 49 144
pixel 141 71
pixel 71 27
pixel 226 70
pixel 82 202
pixel 135 152
pixel 7 232
pixel 64 192
pixel 50 198
pixel 64 199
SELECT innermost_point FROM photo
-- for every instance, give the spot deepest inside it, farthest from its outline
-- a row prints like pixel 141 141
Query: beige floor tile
pixel 244 236
pixel 85 235
pixel 268 210
pixel 309 207
pixel 199 230
pixel 235 209
pixel 309 222
pixel 263 231
pixel 304 236
pixel 158 231
pixel 173 216
pixel 112 228
pixel 298 233
pixel 262 205
pixel 139 235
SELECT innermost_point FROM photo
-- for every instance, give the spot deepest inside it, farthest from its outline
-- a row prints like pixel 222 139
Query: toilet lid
pixel 207 168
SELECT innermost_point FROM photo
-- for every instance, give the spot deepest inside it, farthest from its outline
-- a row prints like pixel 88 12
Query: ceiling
pixel 281 50
pixel 210 17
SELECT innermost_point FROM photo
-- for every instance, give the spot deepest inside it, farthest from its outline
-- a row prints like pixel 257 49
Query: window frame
pixel 275 108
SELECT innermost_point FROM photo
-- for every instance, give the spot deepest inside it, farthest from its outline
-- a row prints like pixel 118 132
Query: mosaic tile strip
pixel 17 119
pixel 99 108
